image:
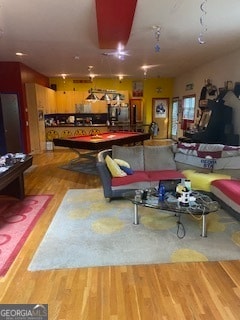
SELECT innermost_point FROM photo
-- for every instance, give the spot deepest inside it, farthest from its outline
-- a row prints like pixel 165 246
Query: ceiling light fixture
pixel 20 54
pixel 120 77
pixel 145 71
pixel 92 97
pixel 106 95
pixel 91 75
pixel 120 53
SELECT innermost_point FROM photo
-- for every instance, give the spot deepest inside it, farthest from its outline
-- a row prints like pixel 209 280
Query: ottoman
pixel 227 192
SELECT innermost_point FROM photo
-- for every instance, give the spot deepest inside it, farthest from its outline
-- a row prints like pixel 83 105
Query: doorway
pixel 10 124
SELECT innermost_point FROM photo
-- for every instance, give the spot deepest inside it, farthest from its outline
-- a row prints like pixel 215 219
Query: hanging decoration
pixel 202 22
pixel 157 36
pixel 1 28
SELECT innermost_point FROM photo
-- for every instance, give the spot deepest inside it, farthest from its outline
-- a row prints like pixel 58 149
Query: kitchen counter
pixel 61 125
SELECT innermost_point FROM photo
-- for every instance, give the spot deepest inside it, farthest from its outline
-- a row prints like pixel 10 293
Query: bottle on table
pixel 161 192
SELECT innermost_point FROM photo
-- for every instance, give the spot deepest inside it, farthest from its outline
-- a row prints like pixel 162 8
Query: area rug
pixel 84 167
pixel 88 231
pixel 17 219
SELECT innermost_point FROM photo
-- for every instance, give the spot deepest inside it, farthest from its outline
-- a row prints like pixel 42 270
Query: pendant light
pixel 105 97
pixel 118 97
pixel 92 97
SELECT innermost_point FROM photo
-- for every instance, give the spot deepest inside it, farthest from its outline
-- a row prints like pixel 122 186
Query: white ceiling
pixel 53 32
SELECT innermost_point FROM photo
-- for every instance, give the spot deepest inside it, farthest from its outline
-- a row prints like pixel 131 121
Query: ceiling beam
pixel 114 21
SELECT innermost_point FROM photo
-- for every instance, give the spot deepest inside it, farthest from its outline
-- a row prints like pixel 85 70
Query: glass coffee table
pixel 202 205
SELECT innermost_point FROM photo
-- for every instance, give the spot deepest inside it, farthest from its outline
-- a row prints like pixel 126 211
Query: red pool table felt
pixel 102 140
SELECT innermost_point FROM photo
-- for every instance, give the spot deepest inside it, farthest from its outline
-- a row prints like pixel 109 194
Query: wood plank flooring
pixel 206 290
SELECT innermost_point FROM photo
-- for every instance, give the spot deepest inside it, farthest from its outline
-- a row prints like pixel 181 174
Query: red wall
pixel 13 76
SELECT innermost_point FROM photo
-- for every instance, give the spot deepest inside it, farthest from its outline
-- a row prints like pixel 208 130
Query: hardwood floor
pixel 207 290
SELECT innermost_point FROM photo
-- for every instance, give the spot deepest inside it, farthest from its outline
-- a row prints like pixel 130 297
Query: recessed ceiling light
pixel 144 67
pixel 20 54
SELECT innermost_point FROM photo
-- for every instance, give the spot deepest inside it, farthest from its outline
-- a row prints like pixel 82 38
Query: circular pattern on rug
pixel 4 238
pixel 187 255
pixel 158 220
pixel 107 225
pixel 89 196
pixel 79 213
pixel 236 238
pixel 214 224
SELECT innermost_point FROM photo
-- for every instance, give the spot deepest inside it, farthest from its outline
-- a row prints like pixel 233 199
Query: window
pixel 189 107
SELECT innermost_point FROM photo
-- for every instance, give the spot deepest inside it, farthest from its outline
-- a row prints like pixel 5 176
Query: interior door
pixel 11 123
pixel 136 110
pixel 160 115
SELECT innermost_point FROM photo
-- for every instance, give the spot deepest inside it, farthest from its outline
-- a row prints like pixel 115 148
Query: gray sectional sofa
pixel 149 164
pixel 217 167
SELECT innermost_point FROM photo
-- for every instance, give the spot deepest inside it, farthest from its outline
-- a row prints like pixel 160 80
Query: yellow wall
pixel 153 88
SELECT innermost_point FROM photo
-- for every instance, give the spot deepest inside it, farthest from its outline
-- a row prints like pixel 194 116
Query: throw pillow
pixel 127 170
pixel 114 168
pixel 121 162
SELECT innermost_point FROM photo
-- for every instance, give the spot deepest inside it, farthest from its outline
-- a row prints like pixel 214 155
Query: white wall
pixel 226 68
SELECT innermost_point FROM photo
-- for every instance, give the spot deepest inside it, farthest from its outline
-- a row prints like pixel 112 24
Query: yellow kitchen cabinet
pixel 37 101
pixel 51 106
pixel 66 100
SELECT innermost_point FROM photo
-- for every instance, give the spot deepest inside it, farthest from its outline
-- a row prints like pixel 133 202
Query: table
pixel 12 180
pixel 101 141
pixel 86 161
pixel 148 198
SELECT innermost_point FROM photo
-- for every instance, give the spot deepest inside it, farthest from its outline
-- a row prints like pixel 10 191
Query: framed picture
pixel 160 107
pixel 137 88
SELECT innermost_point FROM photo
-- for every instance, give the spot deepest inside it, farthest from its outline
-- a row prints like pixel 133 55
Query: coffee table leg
pixel 204 226
pixel 135 217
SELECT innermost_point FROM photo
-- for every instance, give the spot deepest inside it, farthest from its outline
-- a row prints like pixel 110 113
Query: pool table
pixel 102 140
pixel 86 161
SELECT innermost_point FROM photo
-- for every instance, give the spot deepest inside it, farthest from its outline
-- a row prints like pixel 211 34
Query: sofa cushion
pixel 202 181
pixel 133 155
pixel 137 176
pixel 227 190
pixel 164 175
pixel 114 168
pixel 159 158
